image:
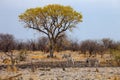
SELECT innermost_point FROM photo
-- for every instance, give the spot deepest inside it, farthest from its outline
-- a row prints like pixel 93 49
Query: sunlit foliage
pixel 52 20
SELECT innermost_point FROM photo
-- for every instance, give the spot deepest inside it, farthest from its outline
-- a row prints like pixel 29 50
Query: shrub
pixel 116 55
pixel 22 55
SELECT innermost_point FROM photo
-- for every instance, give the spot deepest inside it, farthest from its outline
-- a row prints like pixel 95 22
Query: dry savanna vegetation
pixel 56 57
pixel 33 56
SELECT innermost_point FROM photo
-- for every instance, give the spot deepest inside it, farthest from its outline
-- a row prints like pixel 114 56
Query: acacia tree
pixel 52 20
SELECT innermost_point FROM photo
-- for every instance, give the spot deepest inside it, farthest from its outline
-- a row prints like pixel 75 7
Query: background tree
pixel 89 45
pixel 7 42
pixel 20 45
pixel 74 46
pixel 107 43
pixel 63 43
pixel 31 44
pixel 7 45
pixel 42 44
pixel 52 20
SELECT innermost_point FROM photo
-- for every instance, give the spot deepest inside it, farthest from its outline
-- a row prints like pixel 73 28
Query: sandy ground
pixel 103 73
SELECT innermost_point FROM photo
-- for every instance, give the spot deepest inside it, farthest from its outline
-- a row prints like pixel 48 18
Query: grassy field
pixel 77 56
pixel 81 73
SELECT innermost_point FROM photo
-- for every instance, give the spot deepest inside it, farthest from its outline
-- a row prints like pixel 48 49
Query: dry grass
pixel 38 55
pixel 42 55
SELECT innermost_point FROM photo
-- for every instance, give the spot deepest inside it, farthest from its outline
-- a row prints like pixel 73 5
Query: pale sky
pixel 101 18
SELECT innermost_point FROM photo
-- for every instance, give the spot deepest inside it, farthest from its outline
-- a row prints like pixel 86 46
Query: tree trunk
pixel 51 51
pixel 52 46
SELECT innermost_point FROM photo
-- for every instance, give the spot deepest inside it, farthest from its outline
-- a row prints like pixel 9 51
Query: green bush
pixel 22 55
pixel 117 57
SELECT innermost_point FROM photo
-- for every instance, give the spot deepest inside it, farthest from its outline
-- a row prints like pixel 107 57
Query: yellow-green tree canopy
pixel 52 20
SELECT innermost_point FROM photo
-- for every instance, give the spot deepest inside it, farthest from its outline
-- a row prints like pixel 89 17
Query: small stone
pixel 42 74
pixel 96 70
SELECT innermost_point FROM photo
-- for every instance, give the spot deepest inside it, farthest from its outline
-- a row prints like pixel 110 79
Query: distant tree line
pixel 99 46
pixel 8 42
